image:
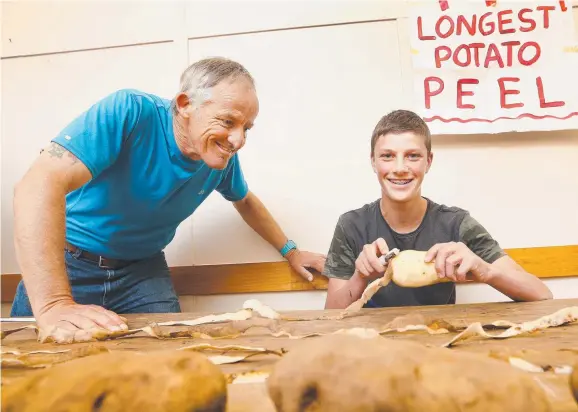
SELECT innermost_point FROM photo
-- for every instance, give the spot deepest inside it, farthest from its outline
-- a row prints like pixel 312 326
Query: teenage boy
pixel 402 218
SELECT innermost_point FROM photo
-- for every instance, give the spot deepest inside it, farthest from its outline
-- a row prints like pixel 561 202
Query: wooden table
pixel 554 346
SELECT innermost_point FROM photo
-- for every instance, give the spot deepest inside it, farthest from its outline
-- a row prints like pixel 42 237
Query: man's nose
pixel 236 139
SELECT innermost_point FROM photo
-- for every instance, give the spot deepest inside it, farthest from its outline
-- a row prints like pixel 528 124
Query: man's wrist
pixel 288 248
pixel 55 302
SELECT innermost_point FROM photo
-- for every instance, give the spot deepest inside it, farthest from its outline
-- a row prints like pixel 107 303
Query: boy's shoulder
pixel 439 212
pixel 443 208
pixel 360 215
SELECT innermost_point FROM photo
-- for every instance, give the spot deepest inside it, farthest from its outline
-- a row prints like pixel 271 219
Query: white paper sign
pixel 494 66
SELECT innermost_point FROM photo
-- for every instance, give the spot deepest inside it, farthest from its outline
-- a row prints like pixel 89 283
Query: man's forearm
pixel 518 285
pixel 39 211
pixel 256 215
pixel 341 296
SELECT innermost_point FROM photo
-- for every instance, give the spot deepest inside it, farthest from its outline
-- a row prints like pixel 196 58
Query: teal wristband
pixel 290 245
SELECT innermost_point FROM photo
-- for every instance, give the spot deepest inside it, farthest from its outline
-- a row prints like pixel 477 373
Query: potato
pixel 410 270
pixel 122 381
pixel 347 373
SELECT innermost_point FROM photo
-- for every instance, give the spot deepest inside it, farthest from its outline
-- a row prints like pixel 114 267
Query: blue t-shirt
pixel 142 185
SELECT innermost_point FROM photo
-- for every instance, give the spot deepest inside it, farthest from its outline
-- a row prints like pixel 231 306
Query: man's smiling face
pixel 217 127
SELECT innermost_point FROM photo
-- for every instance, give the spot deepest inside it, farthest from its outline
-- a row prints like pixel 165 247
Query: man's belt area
pixel 102 261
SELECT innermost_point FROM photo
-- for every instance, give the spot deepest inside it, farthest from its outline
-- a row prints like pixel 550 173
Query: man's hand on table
pixel 300 261
pixel 75 321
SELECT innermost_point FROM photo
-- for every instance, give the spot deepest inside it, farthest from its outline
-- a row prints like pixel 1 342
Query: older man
pixel 96 209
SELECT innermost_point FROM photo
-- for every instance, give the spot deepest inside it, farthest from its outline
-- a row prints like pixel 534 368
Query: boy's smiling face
pixel 401 161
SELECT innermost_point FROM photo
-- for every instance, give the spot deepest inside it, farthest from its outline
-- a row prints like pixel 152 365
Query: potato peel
pixel 533 368
pixel 224 317
pixel 42 359
pixel 224 358
pixel 5 333
pixel 227 359
pixel 227 348
pixel 369 291
pixel 558 318
pixel 254 376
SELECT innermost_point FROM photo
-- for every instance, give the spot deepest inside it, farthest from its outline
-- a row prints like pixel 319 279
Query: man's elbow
pixel 542 292
pixel 547 294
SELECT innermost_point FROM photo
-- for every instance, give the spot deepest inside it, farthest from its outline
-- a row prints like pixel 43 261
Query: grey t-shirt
pixel 440 224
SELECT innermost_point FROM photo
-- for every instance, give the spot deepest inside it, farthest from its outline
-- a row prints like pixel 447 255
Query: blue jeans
pixel 144 286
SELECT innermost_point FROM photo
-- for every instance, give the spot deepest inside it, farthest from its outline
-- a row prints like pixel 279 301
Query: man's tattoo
pixel 73 158
pixel 58 151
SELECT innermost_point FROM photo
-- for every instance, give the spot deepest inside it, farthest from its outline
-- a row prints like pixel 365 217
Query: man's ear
pixel 183 103
pixel 373 164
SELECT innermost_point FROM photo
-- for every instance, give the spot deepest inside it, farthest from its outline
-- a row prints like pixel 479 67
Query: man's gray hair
pixel 197 80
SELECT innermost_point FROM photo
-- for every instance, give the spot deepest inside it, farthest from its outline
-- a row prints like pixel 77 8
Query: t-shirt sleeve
pixel 96 136
pixel 233 186
pixel 479 241
pixel 340 262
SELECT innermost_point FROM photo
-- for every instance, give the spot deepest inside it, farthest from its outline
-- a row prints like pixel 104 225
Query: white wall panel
pixel 217 17
pixel 40 95
pixel 321 92
pixel 49 26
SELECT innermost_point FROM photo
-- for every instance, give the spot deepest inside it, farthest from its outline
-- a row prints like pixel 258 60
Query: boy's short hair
pixel 400 121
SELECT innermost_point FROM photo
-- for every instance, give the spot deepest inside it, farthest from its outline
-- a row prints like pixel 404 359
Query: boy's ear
pixel 373 165
pixel 429 161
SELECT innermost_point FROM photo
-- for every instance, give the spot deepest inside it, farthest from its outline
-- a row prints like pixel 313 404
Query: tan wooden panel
pixel 548 262
pixel 544 262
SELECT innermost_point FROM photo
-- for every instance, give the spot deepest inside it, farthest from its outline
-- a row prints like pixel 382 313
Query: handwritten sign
pixel 494 66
